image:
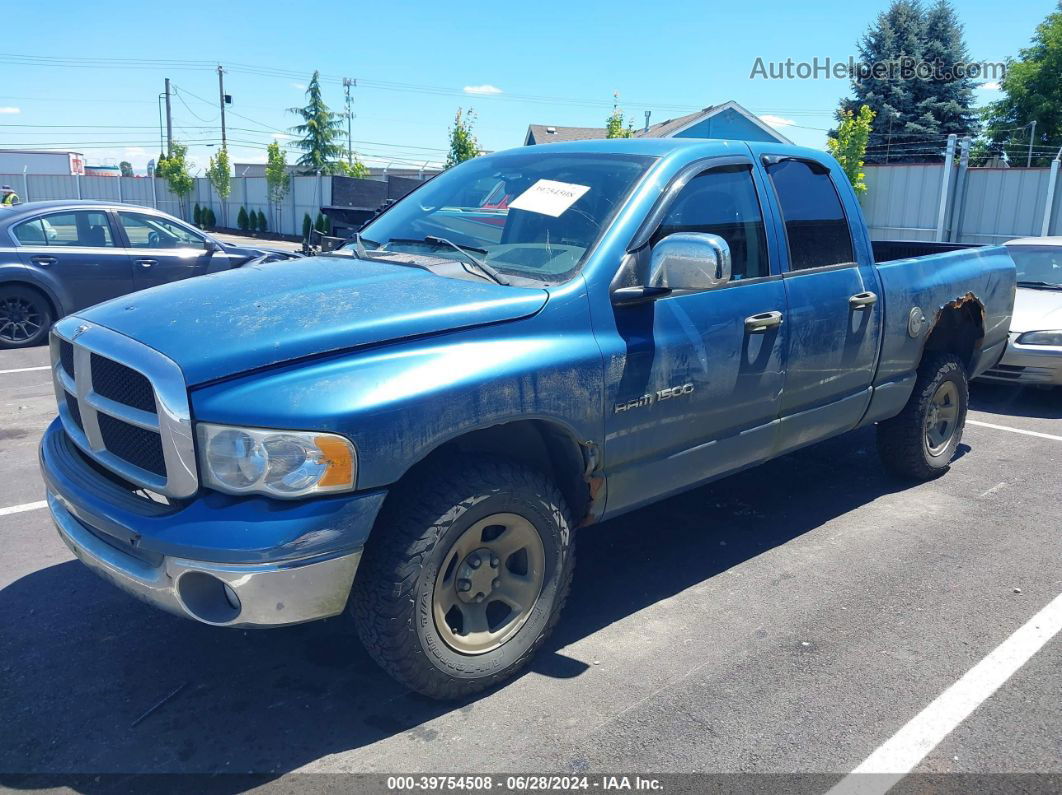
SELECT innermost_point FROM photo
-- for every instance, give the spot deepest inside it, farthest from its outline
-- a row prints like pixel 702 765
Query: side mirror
pixel 211 246
pixel 690 261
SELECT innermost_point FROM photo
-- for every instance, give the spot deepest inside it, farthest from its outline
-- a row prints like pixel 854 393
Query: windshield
pixel 1038 264
pixel 529 214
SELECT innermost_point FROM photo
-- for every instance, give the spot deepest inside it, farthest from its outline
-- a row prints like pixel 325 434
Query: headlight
pixel 277 463
pixel 1041 338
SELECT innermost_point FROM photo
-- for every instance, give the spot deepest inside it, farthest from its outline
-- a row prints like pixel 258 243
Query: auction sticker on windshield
pixel 549 197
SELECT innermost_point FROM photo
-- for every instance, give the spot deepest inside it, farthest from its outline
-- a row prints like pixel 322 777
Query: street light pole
pixel 347 83
pixel 221 100
pixel 169 121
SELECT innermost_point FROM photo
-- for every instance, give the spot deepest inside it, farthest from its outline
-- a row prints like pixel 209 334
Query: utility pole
pixel 347 83
pixel 169 121
pixel 222 99
pixel 1032 137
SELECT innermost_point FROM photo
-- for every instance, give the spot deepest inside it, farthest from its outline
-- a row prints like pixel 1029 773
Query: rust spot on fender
pixel 593 510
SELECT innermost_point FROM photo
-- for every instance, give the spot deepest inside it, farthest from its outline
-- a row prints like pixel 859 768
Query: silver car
pixel 1034 350
pixel 57 257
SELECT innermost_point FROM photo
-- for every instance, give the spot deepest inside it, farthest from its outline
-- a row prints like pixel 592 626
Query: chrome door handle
pixel 862 300
pixel 754 324
pixel 44 261
pixel 146 263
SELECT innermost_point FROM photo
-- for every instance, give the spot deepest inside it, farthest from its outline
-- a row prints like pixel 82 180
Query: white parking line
pixel 25 369
pixel 902 752
pixel 29 506
pixel 1015 430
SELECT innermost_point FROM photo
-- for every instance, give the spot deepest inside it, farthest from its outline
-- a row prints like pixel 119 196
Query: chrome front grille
pixel 125 405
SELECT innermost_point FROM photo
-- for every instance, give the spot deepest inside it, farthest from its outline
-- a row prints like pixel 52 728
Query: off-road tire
pixel 391 601
pixel 902 442
pixel 43 310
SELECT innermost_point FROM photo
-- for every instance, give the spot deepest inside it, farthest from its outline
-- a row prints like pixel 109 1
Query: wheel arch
pixel 49 296
pixel 958 328
pixel 548 445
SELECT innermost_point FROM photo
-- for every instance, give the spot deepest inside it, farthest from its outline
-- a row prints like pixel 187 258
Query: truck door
pixel 693 380
pixel 835 311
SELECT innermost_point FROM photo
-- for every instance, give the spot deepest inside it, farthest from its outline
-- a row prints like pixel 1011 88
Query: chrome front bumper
pixel 220 594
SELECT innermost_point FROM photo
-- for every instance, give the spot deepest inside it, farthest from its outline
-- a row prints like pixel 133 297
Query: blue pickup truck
pixel 412 429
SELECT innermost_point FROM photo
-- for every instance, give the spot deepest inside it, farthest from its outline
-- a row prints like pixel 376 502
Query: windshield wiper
pixel 1049 285
pixel 481 266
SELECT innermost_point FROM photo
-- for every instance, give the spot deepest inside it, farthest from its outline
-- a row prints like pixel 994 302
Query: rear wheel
pixel 921 440
pixel 25 317
pixel 465 576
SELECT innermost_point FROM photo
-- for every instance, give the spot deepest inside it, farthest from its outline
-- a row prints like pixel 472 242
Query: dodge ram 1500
pixel 413 428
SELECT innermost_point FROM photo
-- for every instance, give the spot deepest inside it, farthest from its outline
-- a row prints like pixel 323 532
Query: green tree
pixel 262 225
pixel 357 169
pixel 321 225
pixel 242 220
pixel 197 215
pixel 174 169
pixel 917 96
pixel 211 220
pixel 219 172
pixel 126 168
pixel 1032 91
pixel 321 130
pixel 614 127
pixel 463 144
pixel 278 180
pixel 850 145
pixel 948 94
pixel 307 225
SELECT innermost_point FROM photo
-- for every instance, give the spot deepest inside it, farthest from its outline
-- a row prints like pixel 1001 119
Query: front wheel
pixel 921 440
pixel 465 576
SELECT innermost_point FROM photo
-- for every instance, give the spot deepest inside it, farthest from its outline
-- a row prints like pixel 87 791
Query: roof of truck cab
pixel 660 147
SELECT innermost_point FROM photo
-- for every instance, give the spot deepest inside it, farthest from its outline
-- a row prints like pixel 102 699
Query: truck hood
pixel 1036 310
pixel 238 320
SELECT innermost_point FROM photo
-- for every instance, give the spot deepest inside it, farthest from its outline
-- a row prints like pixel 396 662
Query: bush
pixel 197 215
pixel 242 220
pixel 307 225
pixel 209 219
pixel 322 224
pixel 252 221
pixel 262 225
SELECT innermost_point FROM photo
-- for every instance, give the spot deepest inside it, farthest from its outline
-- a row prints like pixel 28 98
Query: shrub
pixel 307 225
pixel 242 220
pixel 197 215
pixel 262 225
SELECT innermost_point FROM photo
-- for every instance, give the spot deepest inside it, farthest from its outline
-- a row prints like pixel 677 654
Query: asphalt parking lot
pixel 792 618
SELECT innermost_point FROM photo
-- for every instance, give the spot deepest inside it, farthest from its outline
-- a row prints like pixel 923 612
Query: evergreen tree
pixel 947 96
pixel 262 225
pixel 242 220
pixel 909 56
pixel 197 215
pixel 1032 91
pixel 322 224
pixel 307 225
pixel 320 129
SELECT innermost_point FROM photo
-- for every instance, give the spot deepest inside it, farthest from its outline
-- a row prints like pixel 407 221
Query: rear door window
pixel 84 228
pixel 815 223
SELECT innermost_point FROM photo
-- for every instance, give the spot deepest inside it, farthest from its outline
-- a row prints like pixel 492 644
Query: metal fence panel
pixel 901 201
pixel 993 205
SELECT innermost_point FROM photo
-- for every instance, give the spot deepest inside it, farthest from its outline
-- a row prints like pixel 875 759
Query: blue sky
pixel 417 62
